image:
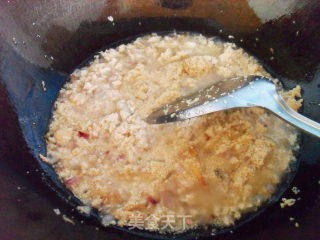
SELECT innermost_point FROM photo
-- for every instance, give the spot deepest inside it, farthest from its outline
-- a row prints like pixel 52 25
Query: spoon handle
pixel 285 112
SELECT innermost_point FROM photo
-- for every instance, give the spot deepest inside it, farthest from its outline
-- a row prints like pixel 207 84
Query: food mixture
pixel 205 170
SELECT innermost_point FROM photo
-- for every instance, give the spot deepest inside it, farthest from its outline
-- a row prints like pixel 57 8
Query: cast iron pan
pixel 295 62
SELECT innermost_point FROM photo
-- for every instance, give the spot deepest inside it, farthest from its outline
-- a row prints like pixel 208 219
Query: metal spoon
pixel 237 92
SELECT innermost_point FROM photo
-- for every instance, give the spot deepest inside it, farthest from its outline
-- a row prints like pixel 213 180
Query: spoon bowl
pixel 239 92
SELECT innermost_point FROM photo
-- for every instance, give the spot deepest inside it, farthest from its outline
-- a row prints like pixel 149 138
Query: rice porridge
pixel 210 169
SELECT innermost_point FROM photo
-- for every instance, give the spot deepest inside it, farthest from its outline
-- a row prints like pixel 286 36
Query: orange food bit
pixel 207 137
pixel 192 151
